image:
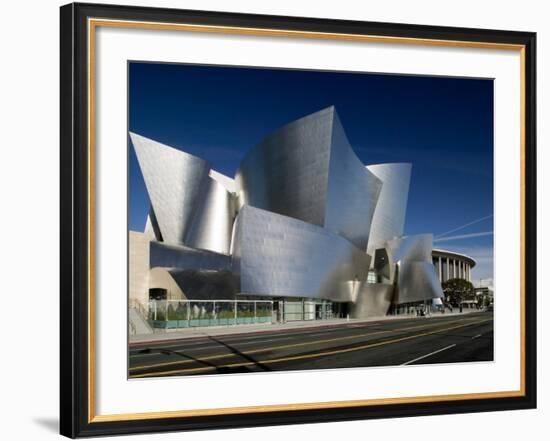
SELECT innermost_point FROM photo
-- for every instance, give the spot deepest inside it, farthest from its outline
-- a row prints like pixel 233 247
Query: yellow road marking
pixel 255 351
pixel 292 345
pixel 271 348
pixel 307 356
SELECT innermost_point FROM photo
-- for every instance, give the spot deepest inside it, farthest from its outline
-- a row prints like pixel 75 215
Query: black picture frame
pixel 77 418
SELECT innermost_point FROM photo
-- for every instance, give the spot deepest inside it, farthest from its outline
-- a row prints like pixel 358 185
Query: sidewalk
pixel 199 332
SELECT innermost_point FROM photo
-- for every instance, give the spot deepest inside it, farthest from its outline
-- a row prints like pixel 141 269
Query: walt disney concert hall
pixel 302 220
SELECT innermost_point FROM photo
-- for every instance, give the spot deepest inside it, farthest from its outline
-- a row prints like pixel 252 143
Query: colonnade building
pixel 452 265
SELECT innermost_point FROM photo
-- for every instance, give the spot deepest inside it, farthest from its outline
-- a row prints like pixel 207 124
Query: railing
pixel 139 307
pixel 173 314
pixel 142 312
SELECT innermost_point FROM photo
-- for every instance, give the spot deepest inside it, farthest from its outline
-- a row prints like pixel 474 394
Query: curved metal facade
pixel 190 206
pixel 173 180
pixel 280 256
pixel 213 219
pixel 353 191
pixel 416 277
pixel 373 300
pixel 302 218
pixel 307 170
pixel 185 258
pixel 287 172
pixel 389 216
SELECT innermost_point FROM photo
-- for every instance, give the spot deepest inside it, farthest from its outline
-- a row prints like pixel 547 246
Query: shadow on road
pixel 235 351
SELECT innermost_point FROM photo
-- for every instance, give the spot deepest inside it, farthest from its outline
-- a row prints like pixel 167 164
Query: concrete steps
pixel 138 324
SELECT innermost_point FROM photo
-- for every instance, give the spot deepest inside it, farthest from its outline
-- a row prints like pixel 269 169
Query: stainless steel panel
pixel 417 281
pixel 205 285
pixel 416 276
pixel 227 182
pixel 373 300
pixel 389 216
pixel 190 206
pixel 152 227
pixel 281 256
pixel 307 170
pixel 287 172
pixel 309 211
pixel 173 179
pixel 185 258
pixel 213 219
pixel 352 191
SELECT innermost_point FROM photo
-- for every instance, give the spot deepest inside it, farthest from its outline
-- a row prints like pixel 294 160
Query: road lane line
pixel 275 334
pixel 476 336
pixel 306 356
pixel 254 351
pixel 202 348
pixel 183 342
pixel 272 348
pixel 273 338
pixel 427 355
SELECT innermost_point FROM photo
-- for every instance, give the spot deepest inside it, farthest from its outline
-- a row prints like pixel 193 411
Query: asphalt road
pixel 444 339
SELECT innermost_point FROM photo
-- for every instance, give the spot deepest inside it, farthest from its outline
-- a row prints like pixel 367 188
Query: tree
pixel 457 290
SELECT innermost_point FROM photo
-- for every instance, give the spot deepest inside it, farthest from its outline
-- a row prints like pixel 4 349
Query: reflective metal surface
pixel 213 219
pixel 227 182
pixel 173 180
pixel 352 192
pixel 287 172
pixel 383 266
pixel 297 221
pixel 204 284
pixel 416 276
pixel 307 170
pixel 280 256
pixel 389 215
pixel 152 227
pixel 190 206
pixel 373 300
pixel 182 257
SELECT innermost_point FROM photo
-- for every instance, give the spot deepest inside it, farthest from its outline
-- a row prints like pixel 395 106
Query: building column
pixel 461 269
pixel 447 269
pixel 439 267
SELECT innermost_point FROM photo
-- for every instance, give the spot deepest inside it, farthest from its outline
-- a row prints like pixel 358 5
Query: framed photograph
pixel 277 220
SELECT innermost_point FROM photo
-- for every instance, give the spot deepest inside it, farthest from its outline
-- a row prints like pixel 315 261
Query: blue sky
pixel 443 126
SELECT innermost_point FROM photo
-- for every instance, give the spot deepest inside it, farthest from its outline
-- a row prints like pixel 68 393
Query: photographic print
pixel 326 220
pixel 286 220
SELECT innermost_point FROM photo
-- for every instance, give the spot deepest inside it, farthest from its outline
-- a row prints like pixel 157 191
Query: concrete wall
pixel 138 267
